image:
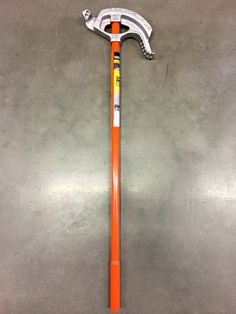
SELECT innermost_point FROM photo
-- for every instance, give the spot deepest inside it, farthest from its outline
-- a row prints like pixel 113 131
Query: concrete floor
pixel 178 160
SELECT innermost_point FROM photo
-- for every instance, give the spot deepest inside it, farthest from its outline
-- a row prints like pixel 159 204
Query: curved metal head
pixel 138 27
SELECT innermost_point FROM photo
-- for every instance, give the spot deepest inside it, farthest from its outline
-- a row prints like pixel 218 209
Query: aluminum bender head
pixel 138 27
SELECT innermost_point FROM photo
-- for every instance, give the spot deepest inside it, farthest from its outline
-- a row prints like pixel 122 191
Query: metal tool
pixel 138 28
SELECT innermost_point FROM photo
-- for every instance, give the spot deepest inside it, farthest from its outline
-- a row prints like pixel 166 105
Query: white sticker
pixel 116 121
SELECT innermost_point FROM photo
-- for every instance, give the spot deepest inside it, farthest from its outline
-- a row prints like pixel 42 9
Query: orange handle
pixel 115 198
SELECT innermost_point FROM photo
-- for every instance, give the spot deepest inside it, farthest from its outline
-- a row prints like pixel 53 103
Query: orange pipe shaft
pixel 115 197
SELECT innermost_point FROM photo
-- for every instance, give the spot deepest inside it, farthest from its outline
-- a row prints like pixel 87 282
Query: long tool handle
pixel 115 198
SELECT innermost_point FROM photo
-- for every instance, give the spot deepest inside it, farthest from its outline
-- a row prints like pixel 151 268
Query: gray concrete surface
pixel 178 160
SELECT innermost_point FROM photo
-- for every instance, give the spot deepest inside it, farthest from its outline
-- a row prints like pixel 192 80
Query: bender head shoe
pixel 138 27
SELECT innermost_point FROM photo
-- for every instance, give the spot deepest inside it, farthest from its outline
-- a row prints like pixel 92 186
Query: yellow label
pixel 116 87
